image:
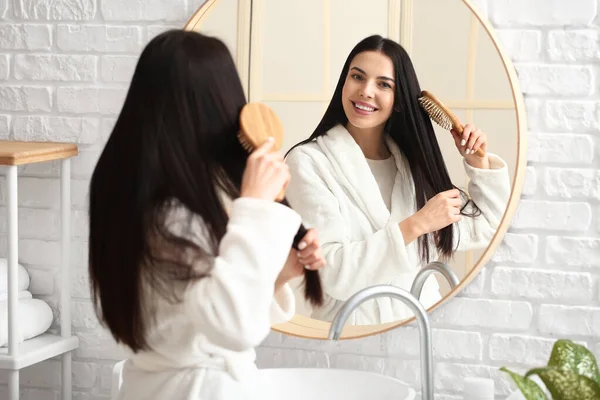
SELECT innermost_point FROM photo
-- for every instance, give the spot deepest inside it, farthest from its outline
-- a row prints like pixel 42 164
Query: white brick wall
pixel 64 69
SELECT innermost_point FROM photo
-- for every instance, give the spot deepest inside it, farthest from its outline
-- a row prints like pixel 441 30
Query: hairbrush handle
pixel 313 290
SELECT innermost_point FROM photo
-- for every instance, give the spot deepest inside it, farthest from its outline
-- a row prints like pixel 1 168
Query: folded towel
pixel 35 317
pixel 21 295
pixel 22 276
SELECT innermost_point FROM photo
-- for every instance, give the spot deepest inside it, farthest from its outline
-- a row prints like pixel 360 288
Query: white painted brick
pixel 4 127
pixel 275 358
pixel 99 38
pixel 451 377
pixel 447 344
pixel 79 253
pixel 42 282
pixel 482 313
pixel 83 165
pixel 42 252
pixel 572 182
pixel 79 224
pixel 34 394
pixel 56 10
pixel 108 125
pixel 84 316
pixel 35 192
pixel 81 130
pixel 571 115
pixel 543 12
pixel 568 320
pixel 145 10
pixel 573 251
pixel 4 66
pixel 117 68
pixel 42 375
pixel 55 67
pixel 560 148
pixel 538 79
pixel 476 286
pixel 25 37
pixel 521 45
pixel 99 345
pixel 106 376
pixel 80 284
pixel 25 98
pixel 540 284
pixel 90 396
pixel 155 30
pixel 358 363
pixel 530 184
pixel 552 215
pixel 3 8
pixel 534 114
pixel 79 194
pixel 517 248
pixel 90 100
pixel 574 45
pixel 407 371
pixel 528 350
pixel 33 223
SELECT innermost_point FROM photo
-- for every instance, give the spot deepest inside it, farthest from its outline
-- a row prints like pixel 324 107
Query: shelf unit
pixel 17 356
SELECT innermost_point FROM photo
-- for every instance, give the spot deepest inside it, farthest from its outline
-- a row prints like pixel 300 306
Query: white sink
pixel 329 384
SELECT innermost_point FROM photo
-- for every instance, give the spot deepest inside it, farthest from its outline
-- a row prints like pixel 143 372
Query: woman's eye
pixel 357 77
pixel 385 85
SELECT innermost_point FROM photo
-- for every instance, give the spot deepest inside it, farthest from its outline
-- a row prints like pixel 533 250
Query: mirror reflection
pixel 388 190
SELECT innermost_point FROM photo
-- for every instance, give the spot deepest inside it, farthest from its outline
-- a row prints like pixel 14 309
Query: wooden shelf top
pixel 20 153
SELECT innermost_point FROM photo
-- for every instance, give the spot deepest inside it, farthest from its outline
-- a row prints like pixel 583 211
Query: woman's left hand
pixel 310 257
pixel 469 142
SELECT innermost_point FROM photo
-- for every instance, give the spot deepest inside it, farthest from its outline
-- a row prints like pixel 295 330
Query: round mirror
pixel 291 56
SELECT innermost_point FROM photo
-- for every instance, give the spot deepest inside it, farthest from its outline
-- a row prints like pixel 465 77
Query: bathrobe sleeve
pixel 490 190
pixel 234 306
pixel 352 265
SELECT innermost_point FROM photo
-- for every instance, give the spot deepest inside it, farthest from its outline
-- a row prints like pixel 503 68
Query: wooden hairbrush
pixel 442 115
pixel 257 123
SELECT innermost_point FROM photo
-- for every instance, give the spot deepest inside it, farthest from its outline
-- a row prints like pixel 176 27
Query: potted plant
pixel 571 374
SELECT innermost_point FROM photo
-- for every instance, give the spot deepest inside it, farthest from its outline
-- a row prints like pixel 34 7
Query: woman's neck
pixel 371 141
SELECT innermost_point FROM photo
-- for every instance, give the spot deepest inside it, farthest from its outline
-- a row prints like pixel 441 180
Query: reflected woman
pixel 371 178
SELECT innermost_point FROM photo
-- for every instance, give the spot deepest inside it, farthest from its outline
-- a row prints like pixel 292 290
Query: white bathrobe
pixel 203 347
pixel 333 189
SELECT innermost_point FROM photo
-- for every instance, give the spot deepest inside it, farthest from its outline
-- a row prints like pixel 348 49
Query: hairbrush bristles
pixel 244 142
pixel 436 113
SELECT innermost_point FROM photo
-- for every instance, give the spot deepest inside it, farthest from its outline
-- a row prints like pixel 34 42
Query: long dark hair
pixel 411 129
pixel 175 139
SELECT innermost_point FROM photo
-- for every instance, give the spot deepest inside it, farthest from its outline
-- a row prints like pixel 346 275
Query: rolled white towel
pixel 21 295
pixel 35 317
pixel 22 277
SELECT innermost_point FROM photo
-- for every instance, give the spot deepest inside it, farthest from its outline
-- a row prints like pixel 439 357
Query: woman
pixel 189 255
pixel 372 180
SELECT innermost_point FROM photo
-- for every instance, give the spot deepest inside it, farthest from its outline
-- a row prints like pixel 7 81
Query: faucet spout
pixel 422 321
pixel 425 272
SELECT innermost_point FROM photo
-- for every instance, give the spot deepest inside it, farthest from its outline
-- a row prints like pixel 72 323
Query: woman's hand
pixel 440 211
pixel 309 257
pixel 266 173
pixel 469 142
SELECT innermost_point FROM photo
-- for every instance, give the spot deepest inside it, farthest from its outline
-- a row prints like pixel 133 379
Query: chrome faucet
pixel 423 274
pixel 422 321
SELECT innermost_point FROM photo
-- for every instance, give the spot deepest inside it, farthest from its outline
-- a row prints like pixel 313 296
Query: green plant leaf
pixel 566 385
pixel 529 388
pixel 571 357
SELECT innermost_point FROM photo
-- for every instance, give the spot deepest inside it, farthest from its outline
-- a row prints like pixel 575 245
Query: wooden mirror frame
pixel 309 328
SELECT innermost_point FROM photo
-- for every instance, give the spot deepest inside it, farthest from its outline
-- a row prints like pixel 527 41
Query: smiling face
pixel 368 92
